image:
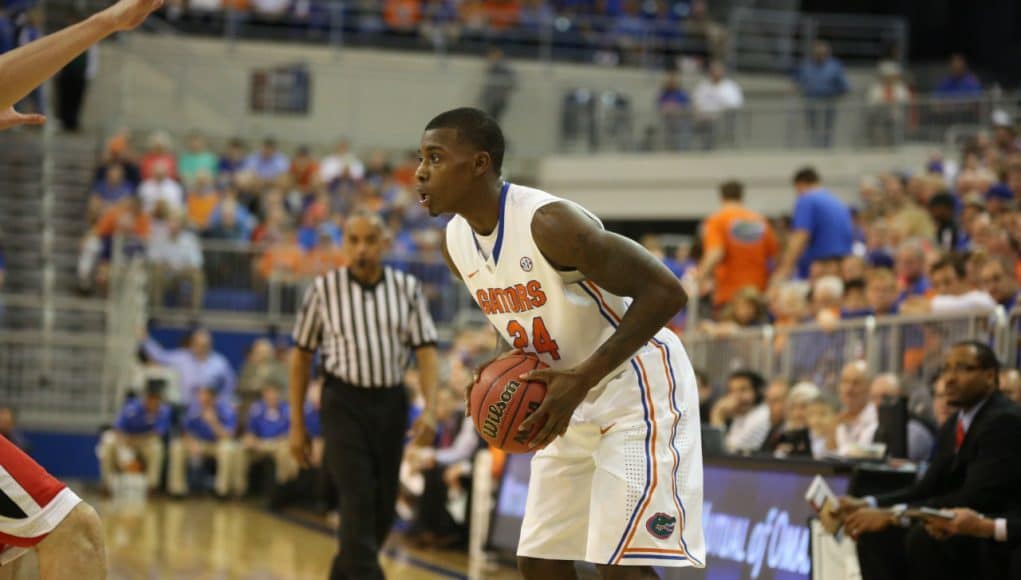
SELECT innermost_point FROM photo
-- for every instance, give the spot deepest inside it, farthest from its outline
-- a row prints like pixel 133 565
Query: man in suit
pixel 977 465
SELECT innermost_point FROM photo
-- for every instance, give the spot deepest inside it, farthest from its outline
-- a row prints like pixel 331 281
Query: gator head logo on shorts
pixel 661 525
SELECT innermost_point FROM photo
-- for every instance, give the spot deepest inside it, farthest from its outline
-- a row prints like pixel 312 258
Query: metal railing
pixel 910 346
pixel 777 40
pixel 609 121
pixel 243 278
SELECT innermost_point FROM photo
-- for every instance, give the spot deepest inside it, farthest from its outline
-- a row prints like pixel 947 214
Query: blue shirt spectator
pixel 144 416
pixel 961 82
pixel 198 366
pixel 114 186
pixel 825 219
pixel 268 163
pixel 7 38
pixel 269 422
pixel 198 425
pixel 822 76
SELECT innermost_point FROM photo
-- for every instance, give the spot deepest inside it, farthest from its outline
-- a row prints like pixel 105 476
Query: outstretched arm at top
pixel 25 68
pixel 571 240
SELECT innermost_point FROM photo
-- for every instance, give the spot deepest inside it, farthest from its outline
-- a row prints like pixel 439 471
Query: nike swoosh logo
pixel 603 430
pixel 472 274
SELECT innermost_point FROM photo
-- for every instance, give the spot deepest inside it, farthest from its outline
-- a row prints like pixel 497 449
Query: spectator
pixel 232 161
pixel 887 99
pixel 881 292
pixel 738 246
pixel 741 413
pixel 961 82
pixel 823 231
pixel 231 221
pixel 911 270
pixel 324 257
pixel 858 419
pixel 159 155
pixel 795 436
pixel 1000 282
pixel 402 15
pixel 304 169
pixel 124 219
pixel 1010 384
pixel 822 81
pixel 439 22
pixel 7 36
pixel 208 432
pixel 441 517
pixel 175 257
pixel 951 292
pixel 921 437
pixel 198 366
pixel 282 261
pixel 775 399
pixel 716 100
pixel 673 106
pixel 197 159
pixel 268 425
pixel 261 368
pixel 943 211
pixel 118 152
pixel 109 191
pixel 977 465
pixel 855 303
pixel 9 428
pixel 203 199
pixel 853 267
pixel 827 299
pixel 270 10
pixel 138 433
pixel 268 163
pixel 822 426
pixel 500 81
pixel 341 165
pixel 161 187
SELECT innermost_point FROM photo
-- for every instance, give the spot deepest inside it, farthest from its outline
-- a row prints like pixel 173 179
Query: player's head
pixel 806 179
pixel 460 149
pixel 732 191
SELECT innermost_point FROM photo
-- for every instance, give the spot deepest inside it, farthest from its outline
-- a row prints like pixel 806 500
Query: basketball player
pixel 617 477
pixel 26 67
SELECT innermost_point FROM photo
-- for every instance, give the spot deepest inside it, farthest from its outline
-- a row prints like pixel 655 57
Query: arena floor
pixel 206 539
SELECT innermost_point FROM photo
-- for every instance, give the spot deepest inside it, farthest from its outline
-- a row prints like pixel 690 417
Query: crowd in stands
pixel 614 31
pixel 214 429
pixel 257 215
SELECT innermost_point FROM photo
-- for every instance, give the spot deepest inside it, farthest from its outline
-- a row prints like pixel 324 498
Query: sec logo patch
pixel 526 264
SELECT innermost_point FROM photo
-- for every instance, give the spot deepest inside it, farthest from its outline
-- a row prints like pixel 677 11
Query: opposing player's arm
pixel 571 239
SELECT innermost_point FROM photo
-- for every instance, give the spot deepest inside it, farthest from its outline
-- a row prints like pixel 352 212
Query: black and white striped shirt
pixel 365 332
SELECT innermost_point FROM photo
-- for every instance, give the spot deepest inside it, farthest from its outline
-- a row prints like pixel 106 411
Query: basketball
pixel 500 402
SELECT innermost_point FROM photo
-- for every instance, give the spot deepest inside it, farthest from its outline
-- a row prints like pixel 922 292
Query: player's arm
pixel 571 240
pixel 25 68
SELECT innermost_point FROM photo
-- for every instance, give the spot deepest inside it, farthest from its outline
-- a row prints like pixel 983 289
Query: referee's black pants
pixel 363 437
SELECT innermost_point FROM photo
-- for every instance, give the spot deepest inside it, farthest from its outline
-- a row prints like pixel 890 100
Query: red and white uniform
pixel 32 502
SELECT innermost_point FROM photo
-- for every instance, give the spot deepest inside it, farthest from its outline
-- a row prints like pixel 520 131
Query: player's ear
pixel 482 162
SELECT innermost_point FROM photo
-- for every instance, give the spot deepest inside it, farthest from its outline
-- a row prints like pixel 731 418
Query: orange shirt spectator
pixel 473 14
pixel 502 14
pixel 304 168
pixel 128 210
pixel 402 14
pixel 323 258
pixel 738 244
pixel 201 207
pixel 283 259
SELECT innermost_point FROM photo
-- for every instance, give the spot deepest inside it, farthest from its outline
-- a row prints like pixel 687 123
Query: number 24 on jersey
pixel 541 339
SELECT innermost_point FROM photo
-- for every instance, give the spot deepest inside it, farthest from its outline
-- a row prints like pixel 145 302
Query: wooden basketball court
pixel 207 539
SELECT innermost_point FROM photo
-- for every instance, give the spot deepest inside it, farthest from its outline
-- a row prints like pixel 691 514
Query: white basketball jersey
pixel 560 316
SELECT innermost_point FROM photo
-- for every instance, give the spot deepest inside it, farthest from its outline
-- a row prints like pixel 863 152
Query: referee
pixel 366 319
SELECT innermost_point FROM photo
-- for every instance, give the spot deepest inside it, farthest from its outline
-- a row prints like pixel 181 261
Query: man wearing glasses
pixel 977 466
